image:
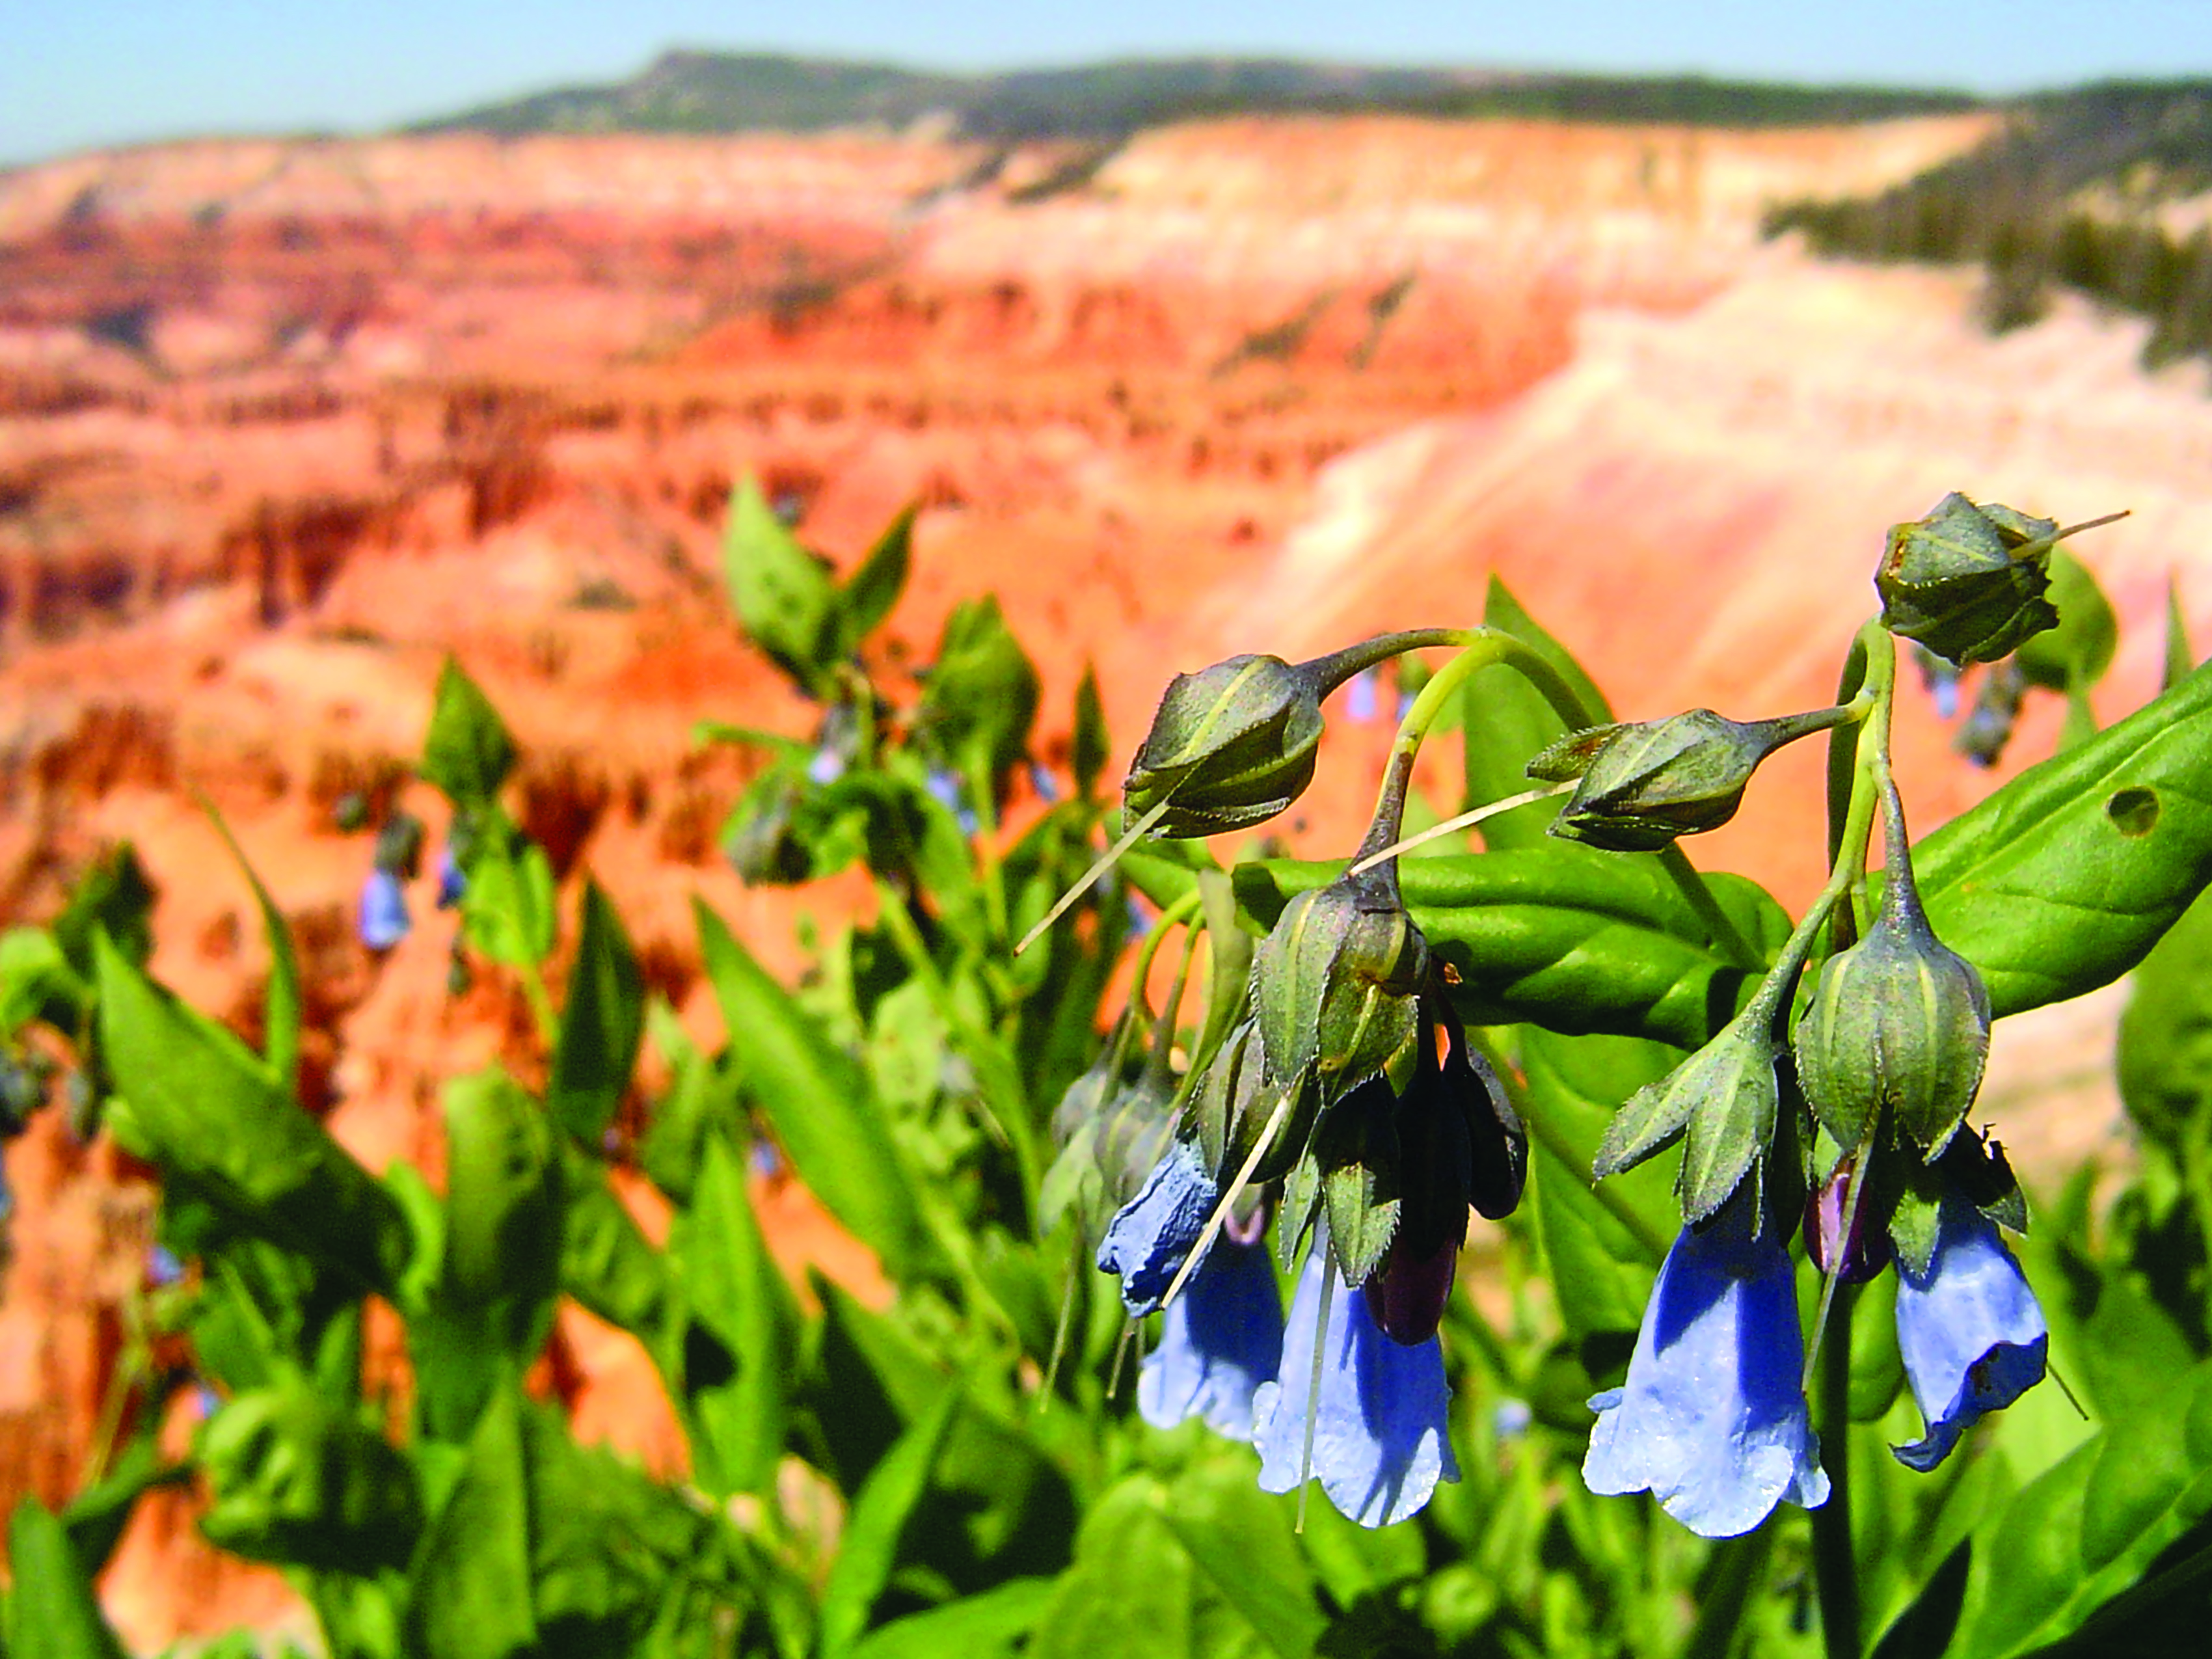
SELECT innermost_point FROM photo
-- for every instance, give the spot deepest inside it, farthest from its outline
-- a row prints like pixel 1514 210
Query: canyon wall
pixel 281 424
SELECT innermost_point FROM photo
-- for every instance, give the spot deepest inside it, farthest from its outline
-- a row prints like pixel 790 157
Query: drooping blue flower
pixel 384 920
pixel 1970 1330
pixel 1220 1339
pixel 1151 1236
pixel 1380 1442
pixel 1712 1420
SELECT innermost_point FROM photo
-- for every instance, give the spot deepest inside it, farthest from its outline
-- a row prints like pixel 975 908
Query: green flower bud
pixel 1230 746
pixel 1644 784
pixel 1335 987
pixel 1235 1102
pixel 1970 583
pixel 1722 1101
pixel 1896 1024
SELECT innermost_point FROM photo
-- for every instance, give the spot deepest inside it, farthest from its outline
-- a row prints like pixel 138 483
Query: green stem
pixel 1835 1568
pixel 541 1003
pixel 1545 1128
pixel 1739 1565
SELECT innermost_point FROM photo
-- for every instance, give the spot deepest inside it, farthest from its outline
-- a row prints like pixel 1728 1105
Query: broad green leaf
pixel 876 586
pixel 1602 1243
pixel 37 982
pixel 111 896
pixel 297 1481
pixel 738 1361
pixel 281 1005
pixel 2085 1531
pixel 2166 1036
pixel 601 1024
pixel 468 750
pixel 1564 937
pixel 981 1626
pixel 785 598
pixel 2073 656
pixel 500 1269
pixel 1508 721
pixel 1135 1593
pixel 1243 1541
pixel 507 906
pixel 981 697
pixel 2061 880
pixel 52 1613
pixel 606 1261
pixel 870 1546
pixel 817 1097
pixel 202 1106
pixel 472 1576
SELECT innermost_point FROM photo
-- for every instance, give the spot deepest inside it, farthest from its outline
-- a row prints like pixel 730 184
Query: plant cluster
pixel 1361 1058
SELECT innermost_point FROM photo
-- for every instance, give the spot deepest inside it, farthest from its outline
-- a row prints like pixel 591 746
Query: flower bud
pixel 1230 746
pixel 1335 985
pixel 1897 1022
pixel 1236 1101
pixel 1724 1100
pixel 1859 1254
pixel 1642 785
pixel 1969 582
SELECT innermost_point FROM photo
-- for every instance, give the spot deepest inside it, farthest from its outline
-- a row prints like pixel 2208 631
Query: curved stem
pixel 1724 932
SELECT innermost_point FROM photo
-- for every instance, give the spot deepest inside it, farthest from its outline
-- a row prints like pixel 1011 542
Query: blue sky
pixel 80 73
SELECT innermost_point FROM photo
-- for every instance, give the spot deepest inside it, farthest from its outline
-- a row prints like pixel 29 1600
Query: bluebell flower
pixel 163 1268
pixel 384 920
pixel 1221 1339
pixel 1151 1236
pixel 1971 1331
pixel 1042 781
pixel 1712 1420
pixel 1381 1441
pixel 453 885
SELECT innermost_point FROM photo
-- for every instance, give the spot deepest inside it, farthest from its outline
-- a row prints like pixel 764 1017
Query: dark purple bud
pixel 1863 1255
pixel 1407 1294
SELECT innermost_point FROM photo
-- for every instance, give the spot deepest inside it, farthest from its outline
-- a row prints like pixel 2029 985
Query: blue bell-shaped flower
pixel 1712 1420
pixel 1150 1236
pixel 1381 1441
pixel 1971 1331
pixel 1220 1339
pixel 384 920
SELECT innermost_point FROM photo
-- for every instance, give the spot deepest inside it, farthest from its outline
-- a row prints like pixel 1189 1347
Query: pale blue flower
pixel 1220 1339
pixel 1972 1333
pixel 452 883
pixel 1712 1420
pixel 384 920
pixel 1381 1441
pixel 1151 1236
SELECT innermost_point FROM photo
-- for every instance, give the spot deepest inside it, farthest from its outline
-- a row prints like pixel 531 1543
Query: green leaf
pixel 981 697
pixel 2085 1531
pixel 280 1008
pixel 507 906
pixel 817 1097
pixel 2073 656
pixel 298 1482
pixel 1508 721
pixel 37 982
pixel 2180 658
pixel 501 1271
pixel 786 599
pixel 606 1261
pixel 53 1614
pixel 876 586
pixel 1136 1593
pixel 601 1024
pixel 870 1546
pixel 974 1628
pixel 96 1516
pixel 468 750
pixel 1602 1252
pixel 737 1362
pixel 201 1105
pixel 472 1577
pixel 2166 1036
pixel 2063 879
pixel 1092 746
pixel 701 1100
pixel 1564 937
pixel 112 895
pixel 1243 1541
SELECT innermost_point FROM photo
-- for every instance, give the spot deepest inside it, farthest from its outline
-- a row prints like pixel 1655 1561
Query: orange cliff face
pixel 281 423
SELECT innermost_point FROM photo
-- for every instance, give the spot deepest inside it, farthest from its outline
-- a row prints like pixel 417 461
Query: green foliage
pixel 948 1462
